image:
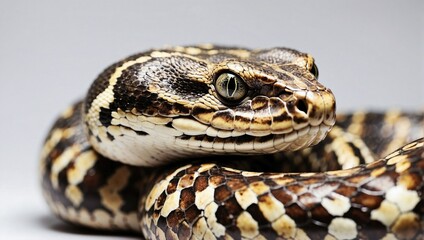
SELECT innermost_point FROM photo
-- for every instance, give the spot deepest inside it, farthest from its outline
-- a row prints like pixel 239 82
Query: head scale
pixel 188 101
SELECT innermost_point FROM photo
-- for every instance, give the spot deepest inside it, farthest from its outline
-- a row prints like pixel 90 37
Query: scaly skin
pixel 219 196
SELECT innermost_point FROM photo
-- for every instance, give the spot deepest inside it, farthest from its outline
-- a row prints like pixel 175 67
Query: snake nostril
pixel 302 106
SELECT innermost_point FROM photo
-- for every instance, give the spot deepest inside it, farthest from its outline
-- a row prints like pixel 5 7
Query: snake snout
pixel 322 110
pixel 308 115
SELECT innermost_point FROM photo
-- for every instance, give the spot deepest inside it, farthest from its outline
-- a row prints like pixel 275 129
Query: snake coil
pixel 197 142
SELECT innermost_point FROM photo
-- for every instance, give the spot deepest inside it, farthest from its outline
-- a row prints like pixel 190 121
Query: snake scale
pixel 213 142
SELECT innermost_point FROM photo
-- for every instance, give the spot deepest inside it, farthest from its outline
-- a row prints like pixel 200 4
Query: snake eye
pixel 231 87
pixel 314 71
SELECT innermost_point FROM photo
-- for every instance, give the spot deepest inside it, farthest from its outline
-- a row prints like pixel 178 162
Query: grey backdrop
pixel 371 53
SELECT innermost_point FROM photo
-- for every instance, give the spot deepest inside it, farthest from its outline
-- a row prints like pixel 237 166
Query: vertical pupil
pixel 231 85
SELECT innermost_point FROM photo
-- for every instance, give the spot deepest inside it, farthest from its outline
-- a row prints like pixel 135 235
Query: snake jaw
pixel 288 121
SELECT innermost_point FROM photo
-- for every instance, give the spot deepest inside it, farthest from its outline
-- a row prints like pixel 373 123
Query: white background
pixel 371 53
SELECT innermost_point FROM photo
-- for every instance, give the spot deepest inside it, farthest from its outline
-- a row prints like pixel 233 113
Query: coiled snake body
pixel 197 142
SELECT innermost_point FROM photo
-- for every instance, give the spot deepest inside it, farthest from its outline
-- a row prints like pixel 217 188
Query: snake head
pixel 268 101
pixel 187 101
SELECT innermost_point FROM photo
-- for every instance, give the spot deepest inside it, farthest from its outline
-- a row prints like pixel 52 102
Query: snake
pixel 222 142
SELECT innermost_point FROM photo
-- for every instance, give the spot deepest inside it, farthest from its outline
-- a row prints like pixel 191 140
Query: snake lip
pixel 224 141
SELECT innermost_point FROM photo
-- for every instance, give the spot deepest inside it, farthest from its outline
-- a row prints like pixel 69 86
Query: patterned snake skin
pixel 208 142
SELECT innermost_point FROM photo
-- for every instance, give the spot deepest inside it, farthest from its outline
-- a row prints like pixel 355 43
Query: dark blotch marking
pixel 222 193
pixel 316 231
pixel 256 213
pixel 296 188
pixel 223 216
pixel 234 232
pixel 233 207
pixel 141 133
pixel 359 216
pixel 268 232
pixel 181 173
pixel 366 200
pixel 319 214
pixel 200 183
pixel 131 191
pixel 372 230
pixel 282 196
pixel 111 138
pixel 96 178
pixel 254 180
pixel 236 183
pixel 299 215
pixel 162 223
pixel 174 219
pixel 63 183
pixel 192 214
pixel 347 191
pixel 172 186
pixel 270 183
pixel 160 201
pixel 187 198
pixel 105 116
pixel 357 152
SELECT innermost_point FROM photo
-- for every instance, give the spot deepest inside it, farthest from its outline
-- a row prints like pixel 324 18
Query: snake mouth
pixel 225 141
pixel 261 125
